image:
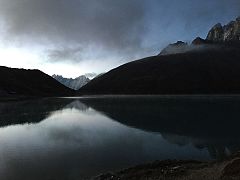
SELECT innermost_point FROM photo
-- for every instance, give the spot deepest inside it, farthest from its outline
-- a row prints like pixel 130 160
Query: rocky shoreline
pixel 228 169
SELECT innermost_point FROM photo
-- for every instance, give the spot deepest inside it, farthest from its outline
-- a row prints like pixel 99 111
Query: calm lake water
pixel 74 138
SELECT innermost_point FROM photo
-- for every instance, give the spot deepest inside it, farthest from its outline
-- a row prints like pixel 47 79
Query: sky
pixel 74 37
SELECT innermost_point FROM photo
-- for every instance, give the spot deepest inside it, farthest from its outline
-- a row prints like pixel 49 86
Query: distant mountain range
pixel 206 66
pixel 75 84
pixel 22 82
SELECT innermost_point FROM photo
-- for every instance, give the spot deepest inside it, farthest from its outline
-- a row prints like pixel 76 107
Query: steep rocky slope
pixel 229 32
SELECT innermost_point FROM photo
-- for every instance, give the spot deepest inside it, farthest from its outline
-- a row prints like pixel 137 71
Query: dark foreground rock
pixel 228 169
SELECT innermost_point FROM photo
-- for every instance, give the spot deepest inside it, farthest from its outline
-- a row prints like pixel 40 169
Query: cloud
pixel 105 24
pixel 63 54
pixel 102 30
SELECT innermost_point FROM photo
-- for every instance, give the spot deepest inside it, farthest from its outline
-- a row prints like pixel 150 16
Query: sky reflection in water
pixel 77 141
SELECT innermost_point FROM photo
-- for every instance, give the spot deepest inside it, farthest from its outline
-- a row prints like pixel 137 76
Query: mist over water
pixel 77 138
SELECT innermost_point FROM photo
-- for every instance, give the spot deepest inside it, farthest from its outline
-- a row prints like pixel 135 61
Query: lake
pixel 76 138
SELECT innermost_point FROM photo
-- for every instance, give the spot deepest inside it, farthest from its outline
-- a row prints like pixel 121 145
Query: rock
pixel 179 43
pixel 107 176
pixel 198 41
pixel 175 48
pixel 227 33
pixel 216 34
pixel 232 169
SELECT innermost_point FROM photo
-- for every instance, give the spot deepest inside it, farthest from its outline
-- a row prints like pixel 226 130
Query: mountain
pixel 91 75
pixel 22 82
pixel 205 66
pixel 229 32
pixel 75 84
pixel 218 35
pixel 199 41
pixel 175 48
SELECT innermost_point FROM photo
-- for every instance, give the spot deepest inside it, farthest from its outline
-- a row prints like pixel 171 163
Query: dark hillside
pixel 209 71
pixel 16 82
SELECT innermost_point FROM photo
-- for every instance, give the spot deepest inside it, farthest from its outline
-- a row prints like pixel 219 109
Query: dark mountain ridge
pixel 205 66
pixel 22 82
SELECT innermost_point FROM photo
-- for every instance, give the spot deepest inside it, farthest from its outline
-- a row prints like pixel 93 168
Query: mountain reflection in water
pixel 76 138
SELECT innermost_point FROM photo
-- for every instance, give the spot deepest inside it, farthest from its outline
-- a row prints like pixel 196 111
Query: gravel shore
pixel 228 169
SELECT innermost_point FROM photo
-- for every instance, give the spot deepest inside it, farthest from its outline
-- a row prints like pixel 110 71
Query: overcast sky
pixel 74 37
